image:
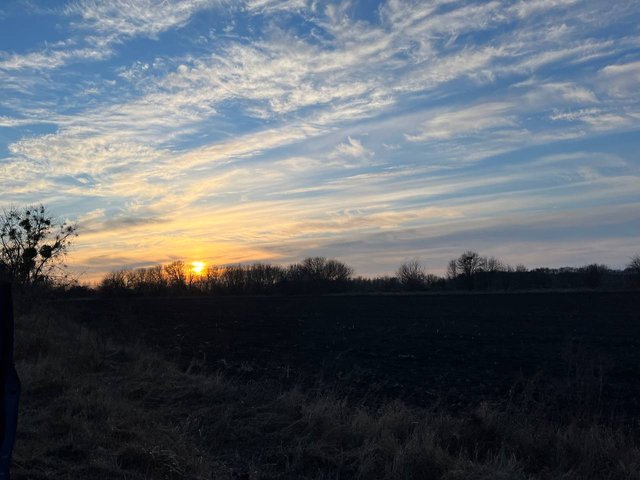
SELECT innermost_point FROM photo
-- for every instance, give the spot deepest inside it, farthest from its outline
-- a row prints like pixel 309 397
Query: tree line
pixel 468 272
pixel 33 246
pixel 313 274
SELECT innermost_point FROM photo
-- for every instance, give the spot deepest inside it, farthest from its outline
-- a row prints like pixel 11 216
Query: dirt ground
pixel 458 348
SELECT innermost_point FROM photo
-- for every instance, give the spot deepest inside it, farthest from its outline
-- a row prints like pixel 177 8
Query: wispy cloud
pixel 130 18
pixel 467 121
pixel 168 133
pixel 48 59
pixel 351 148
pixel 622 80
pixel 103 23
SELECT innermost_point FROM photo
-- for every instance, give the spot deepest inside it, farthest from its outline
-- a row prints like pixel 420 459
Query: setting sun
pixel 197 267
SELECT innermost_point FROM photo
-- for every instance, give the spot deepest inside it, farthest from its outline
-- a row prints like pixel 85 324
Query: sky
pixel 367 131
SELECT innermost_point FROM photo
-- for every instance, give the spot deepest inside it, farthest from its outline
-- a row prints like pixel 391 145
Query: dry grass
pixel 95 409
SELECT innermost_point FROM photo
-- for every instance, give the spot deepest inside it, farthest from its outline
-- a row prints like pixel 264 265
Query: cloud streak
pixel 271 129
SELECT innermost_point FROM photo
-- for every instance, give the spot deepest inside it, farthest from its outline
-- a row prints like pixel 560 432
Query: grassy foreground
pixel 94 408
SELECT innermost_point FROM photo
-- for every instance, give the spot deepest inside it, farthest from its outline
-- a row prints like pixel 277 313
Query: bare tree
pixel 593 274
pixel 113 282
pixel 33 244
pixel 263 277
pixel 233 278
pixel 146 280
pixel 495 265
pixel 411 275
pixel 317 274
pixel 321 269
pixel 176 275
pixel 634 268
pixel 452 269
pixel 468 265
pixel 211 278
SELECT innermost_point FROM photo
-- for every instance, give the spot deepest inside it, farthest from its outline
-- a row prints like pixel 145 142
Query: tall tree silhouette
pixel 32 243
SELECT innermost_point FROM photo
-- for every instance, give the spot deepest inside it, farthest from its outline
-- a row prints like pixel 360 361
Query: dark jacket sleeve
pixel 9 383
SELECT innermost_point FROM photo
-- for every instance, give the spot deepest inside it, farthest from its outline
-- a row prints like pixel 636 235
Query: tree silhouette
pixel 318 274
pixel 593 274
pixel 412 275
pixel 33 244
pixel 452 269
pixel 176 275
pixel 634 268
pixel 319 269
pixel 494 265
pixel 468 266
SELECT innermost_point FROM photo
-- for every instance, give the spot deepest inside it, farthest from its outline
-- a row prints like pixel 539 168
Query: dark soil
pixel 458 348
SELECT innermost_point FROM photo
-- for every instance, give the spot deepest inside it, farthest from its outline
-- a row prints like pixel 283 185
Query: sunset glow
pixel 369 131
pixel 197 267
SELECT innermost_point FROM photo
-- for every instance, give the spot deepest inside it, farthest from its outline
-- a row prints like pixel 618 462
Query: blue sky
pixel 373 132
